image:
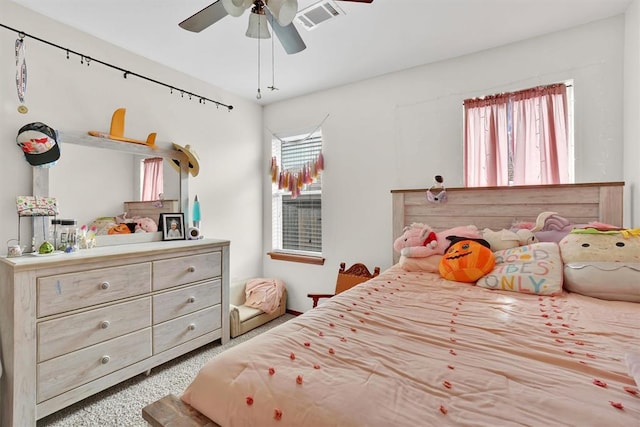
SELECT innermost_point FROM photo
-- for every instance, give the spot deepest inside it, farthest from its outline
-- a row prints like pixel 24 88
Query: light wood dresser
pixel 75 324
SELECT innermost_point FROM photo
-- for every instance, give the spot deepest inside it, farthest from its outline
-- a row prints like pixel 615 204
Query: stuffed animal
pixel 591 245
pixel 507 239
pixel 102 225
pixel 551 227
pixel 526 237
pixel 419 240
pixel 466 260
pixel 602 264
pixel 145 225
pixel 121 228
pixel 501 239
pixel 122 218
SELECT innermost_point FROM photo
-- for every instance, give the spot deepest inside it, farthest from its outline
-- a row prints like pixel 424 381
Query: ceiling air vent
pixel 318 13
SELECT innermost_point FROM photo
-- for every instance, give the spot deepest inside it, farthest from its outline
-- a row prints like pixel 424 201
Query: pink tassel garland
pixel 280 181
pixel 320 162
pixel 295 182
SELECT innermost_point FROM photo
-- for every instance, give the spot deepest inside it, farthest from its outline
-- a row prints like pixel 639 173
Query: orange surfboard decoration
pixel 116 132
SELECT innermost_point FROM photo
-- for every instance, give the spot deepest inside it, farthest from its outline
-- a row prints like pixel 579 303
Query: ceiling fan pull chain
pixel 258 95
pixel 273 61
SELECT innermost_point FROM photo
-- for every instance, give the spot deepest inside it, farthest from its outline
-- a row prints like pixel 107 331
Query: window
pixel 296 195
pixel 520 138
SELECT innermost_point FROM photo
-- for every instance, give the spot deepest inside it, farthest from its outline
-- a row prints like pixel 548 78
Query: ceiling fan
pixel 278 13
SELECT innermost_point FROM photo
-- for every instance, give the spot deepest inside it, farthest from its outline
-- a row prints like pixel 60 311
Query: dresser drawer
pixel 172 304
pixel 64 292
pixel 186 269
pixel 66 372
pixel 70 333
pixel 177 331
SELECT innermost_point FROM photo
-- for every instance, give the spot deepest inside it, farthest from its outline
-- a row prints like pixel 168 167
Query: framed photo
pixel 172 226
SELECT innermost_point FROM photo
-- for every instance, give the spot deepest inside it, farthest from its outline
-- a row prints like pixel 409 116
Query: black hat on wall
pixel 39 143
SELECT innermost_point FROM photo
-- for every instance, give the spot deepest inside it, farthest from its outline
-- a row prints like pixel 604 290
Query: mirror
pixel 94 182
pixel 95 176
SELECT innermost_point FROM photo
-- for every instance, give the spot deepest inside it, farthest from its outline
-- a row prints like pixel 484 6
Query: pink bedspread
pixel 410 349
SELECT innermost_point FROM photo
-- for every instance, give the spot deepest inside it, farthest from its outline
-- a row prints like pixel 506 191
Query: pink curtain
pixel 152 179
pixel 540 136
pixel 517 138
pixel 486 141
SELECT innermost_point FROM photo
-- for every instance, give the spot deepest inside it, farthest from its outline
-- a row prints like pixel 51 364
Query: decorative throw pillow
pixel 602 264
pixel 615 281
pixel 428 264
pixel 533 269
pixel 589 244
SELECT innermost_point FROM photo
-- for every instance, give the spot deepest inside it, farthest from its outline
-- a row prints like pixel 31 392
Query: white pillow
pixel 532 269
pixel 429 264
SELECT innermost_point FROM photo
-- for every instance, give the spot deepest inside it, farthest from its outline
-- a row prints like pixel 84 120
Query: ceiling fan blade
pixel 204 18
pixel 288 35
pixel 359 1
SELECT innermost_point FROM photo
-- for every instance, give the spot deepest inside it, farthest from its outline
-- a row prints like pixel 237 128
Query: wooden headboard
pixel 500 207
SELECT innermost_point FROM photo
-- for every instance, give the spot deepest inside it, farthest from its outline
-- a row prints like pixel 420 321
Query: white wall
pixel 396 131
pixel 69 96
pixel 399 130
pixel 632 113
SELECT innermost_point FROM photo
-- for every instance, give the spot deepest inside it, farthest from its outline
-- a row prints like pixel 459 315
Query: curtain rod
pixel 88 59
pixel 481 98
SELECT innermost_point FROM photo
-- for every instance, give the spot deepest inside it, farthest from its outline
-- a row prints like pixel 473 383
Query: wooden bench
pixel 171 411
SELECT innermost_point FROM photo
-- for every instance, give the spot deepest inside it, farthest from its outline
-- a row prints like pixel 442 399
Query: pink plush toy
pixel 145 225
pixel 419 240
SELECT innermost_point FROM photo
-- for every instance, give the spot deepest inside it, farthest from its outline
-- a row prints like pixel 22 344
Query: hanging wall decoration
pixel 21 73
pixel 294 181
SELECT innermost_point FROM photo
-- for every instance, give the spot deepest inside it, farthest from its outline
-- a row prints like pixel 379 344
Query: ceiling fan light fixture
pixel 233 9
pixel 283 10
pixel 257 28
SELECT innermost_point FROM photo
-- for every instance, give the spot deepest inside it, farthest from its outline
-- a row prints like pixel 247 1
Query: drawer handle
pixel 191 269
pixel 192 327
pixel 104 285
pixel 105 324
pixel 105 360
pixel 192 299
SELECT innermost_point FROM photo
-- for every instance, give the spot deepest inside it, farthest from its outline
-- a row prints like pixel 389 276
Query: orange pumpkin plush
pixel 466 260
pixel 121 228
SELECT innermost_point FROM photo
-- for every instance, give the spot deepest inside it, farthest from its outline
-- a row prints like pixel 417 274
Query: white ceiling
pixel 368 41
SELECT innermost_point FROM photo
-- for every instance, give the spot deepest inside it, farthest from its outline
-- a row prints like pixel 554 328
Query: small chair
pixel 243 318
pixel 357 273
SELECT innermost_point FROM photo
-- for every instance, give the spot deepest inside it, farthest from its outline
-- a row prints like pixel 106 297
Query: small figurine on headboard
pixel 437 193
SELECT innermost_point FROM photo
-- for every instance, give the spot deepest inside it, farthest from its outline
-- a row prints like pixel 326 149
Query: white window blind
pixel 297 220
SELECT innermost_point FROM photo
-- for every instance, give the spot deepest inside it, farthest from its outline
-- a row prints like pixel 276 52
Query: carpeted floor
pixel 121 405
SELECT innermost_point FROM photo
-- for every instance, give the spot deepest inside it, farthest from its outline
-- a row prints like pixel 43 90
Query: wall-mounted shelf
pixel 164 150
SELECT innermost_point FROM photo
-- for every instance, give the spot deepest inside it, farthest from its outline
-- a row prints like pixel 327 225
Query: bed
pixel 410 348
